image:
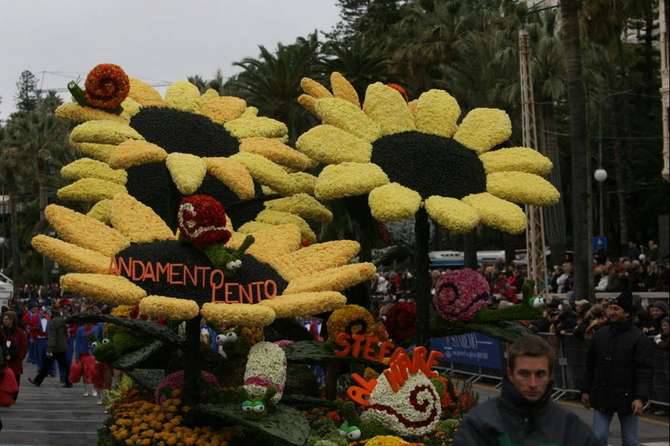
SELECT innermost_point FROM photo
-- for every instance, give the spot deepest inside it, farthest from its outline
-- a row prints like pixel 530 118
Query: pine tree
pixel 27 95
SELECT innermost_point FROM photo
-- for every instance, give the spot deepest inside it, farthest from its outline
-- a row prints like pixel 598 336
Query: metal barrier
pixel 570 368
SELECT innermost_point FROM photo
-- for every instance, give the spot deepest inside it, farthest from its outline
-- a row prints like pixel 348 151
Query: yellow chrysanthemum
pixel 410 155
pixel 351 319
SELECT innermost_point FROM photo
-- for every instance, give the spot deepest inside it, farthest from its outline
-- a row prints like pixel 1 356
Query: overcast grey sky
pixel 164 40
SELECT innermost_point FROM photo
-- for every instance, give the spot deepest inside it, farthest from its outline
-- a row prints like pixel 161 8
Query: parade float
pixel 193 217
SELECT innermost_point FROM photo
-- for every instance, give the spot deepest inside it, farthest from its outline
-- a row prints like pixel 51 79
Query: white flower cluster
pixel 396 410
pixel 266 366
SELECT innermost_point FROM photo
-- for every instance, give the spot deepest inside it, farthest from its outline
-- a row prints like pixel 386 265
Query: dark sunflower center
pixel 184 132
pixel 176 269
pixel 429 164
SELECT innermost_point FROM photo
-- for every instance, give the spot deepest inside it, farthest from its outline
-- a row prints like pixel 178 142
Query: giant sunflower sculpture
pixel 408 155
pixel 160 149
pixel 279 278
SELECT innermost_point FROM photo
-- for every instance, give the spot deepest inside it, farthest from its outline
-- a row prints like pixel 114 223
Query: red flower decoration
pixel 202 220
pixel 399 89
pixel 400 321
pixel 107 85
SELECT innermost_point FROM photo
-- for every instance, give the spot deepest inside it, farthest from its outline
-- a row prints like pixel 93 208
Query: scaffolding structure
pixel 535 245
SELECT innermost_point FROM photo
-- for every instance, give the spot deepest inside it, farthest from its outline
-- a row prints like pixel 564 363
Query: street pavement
pixel 50 415
pixel 653 430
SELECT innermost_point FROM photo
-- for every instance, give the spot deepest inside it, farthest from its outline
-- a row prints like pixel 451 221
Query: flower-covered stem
pixel 421 262
pixel 192 362
pixel 146 328
pixel 359 211
pixel 470 250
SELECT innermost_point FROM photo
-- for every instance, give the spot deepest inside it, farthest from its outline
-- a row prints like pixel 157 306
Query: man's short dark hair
pixel 533 346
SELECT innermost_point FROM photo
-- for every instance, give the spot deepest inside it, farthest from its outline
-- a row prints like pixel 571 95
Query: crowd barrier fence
pixel 571 354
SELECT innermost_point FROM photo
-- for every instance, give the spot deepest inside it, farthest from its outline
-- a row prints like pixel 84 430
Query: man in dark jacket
pixel 56 348
pixel 524 414
pixel 619 370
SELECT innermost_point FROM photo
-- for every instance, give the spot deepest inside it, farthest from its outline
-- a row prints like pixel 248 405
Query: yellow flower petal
pixel 334 279
pixel 90 190
pixel 305 304
pixel 144 94
pixel 222 109
pixel 484 128
pixel 241 315
pixel 250 112
pixel 264 171
pixel 136 153
pixel 437 113
pixel 277 151
pixel 315 258
pixel 387 107
pixel 519 159
pixel 104 132
pixel 130 108
pixel 183 95
pixel 308 103
pixel 393 201
pixel 171 308
pixel 233 174
pixel 521 187
pixel 301 182
pixel 247 127
pixel 278 218
pixel 412 105
pixel 85 231
pixel 348 180
pixel 254 226
pixel 270 241
pixel 101 211
pixel 303 205
pixel 314 89
pixel 76 113
pixel 343 89
pixel 331 145
pixel 71 257
pixel 187 171
pixel 105 288
pixel 497 213
pixel 348 117
pixel 138 222
pixel 89 168
pixel 452 214
pixel 101 152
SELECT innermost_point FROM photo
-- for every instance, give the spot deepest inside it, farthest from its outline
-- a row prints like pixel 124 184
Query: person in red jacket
pixel 31 322
pixel 14 344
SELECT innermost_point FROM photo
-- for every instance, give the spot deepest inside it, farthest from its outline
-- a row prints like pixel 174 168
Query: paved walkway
pixel 50 415
pixel 653 430
pixel 53 416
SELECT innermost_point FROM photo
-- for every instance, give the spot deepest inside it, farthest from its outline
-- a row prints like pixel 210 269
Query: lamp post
pixel 600 175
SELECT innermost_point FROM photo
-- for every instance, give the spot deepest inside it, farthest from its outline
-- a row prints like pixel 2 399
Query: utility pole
pixel 663 13
pixel 535 247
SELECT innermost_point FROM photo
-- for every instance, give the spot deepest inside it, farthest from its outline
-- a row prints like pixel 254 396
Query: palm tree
pixel 581 193
pixel 361 63
pixel 216 83
pixel 11 167
pixel 272 82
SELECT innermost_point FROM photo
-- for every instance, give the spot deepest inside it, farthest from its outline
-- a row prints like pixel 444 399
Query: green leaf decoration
pixel 136 358
pixel 148 378
pixel 284 423
pixel 503 330
pixel 150 329
pixel 312 351
pixel 307 402
pixel 519 312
